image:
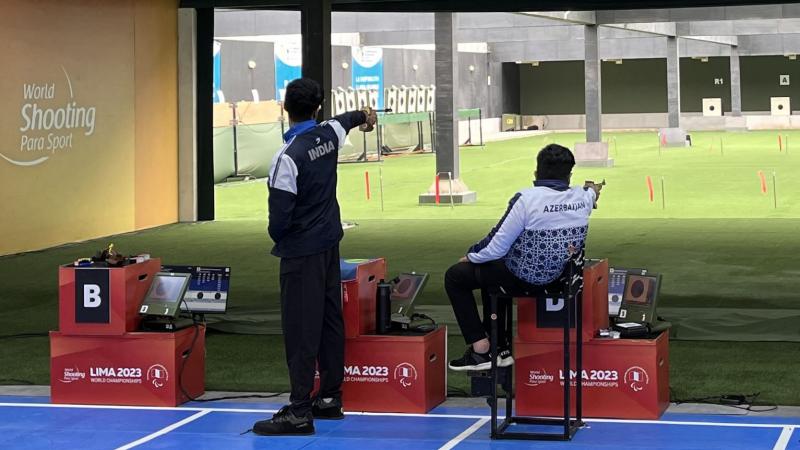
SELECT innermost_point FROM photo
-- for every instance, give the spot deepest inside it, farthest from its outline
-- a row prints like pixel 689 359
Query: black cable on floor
pixel 183 366
pixel 24 335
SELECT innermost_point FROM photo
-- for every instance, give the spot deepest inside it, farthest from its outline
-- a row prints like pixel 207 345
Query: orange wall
pixel 156 74
pixel 116 59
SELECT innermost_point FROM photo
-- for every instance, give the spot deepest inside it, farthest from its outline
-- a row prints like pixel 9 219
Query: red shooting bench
pixel 622 378
pixel 99 357
pixel 386 373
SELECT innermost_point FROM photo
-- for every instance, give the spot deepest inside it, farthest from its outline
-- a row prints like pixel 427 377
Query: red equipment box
pixel 103 301
pixel 401 374
pixel 142 369
pixel 622 378
pixel 595 309
pixel 358 297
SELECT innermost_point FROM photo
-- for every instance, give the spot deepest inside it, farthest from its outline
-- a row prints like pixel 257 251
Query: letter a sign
pixel 784 80
pixel 91 296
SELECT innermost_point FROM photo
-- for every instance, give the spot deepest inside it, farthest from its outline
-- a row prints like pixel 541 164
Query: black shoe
pixel 504 357
pixel 471 361
pixel 328 410
pixel 285 423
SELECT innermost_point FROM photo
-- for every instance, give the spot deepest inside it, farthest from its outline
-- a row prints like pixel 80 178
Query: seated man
pixel 531 245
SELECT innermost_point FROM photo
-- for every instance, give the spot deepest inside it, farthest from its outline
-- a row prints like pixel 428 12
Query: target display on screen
pixel 405 289
pixel 640 298
pixel 165 294
pixel 640 289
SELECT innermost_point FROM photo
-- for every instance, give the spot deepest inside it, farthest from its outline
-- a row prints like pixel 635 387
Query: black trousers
pixel 463 278
pixel 313 328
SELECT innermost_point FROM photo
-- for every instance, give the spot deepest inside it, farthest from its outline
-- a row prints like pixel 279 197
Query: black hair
pixel 554 162
pixel 303 97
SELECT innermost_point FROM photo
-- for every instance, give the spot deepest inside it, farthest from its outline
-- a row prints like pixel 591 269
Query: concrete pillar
pixel 187 119
pixel 446 134
pixel 673 83
pixel 315 27
pixel 204 112
pixel 494 106
pixel 446 58
pixel 736 83
pixel 591 80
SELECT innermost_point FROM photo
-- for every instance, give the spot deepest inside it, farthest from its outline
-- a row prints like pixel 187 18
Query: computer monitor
pixel 208 288
pixel 165 294
pixel 405 289
pixel 639 302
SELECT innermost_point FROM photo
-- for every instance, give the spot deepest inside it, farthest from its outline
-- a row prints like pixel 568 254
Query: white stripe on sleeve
pixel 284 174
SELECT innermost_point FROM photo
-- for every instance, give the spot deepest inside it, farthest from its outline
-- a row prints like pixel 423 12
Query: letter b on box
pixel 91 296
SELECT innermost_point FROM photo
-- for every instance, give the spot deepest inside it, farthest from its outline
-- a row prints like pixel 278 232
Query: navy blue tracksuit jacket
pixel 303 211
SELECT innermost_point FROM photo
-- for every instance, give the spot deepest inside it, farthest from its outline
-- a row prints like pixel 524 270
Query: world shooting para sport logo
pixel 51 119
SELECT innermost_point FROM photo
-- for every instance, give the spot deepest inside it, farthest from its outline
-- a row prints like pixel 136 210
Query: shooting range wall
pixel 238 79
pixel 761 80
pixel 116 61
pixel 710 79
pixel 398 69
pixel 638 86
pixel 634 87
pixel 551 88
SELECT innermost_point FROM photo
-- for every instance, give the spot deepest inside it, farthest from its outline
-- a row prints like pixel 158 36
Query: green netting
pixel 257 144
pixel 390 119
pixel 223 153
pixel 472 113
pixel 353 149
pixel 401 132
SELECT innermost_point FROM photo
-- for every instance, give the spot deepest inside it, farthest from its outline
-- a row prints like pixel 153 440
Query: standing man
pixel 305 225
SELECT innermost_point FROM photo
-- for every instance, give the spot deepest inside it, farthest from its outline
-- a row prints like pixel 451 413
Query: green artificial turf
pixel 726 252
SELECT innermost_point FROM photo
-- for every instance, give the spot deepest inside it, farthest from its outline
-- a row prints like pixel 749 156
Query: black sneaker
pixel 285 423
pixel 328 409
pixel 471 361
pixel 504 357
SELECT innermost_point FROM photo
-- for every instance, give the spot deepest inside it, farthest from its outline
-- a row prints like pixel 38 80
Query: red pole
pixel 780 143
pixel 437 188
pixel 366 180
pixel 650 187
pixel 763 182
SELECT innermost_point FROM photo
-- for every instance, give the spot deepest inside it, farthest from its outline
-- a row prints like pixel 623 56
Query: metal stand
pixel 480 129
pixel 235 124
pixel 569 425
pixel 420 138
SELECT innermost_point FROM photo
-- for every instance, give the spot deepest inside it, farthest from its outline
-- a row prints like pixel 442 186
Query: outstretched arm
pixel 343 123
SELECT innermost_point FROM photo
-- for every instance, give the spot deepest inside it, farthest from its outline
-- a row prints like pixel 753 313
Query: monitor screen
pixel 640 290
pixel 405 290
pixel 165 294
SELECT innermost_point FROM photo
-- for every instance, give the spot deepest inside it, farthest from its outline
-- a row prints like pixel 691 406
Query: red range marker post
pixel 436 182
pixel 780 143
pixel 366 182
pixel 650 187
pixel 763 182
